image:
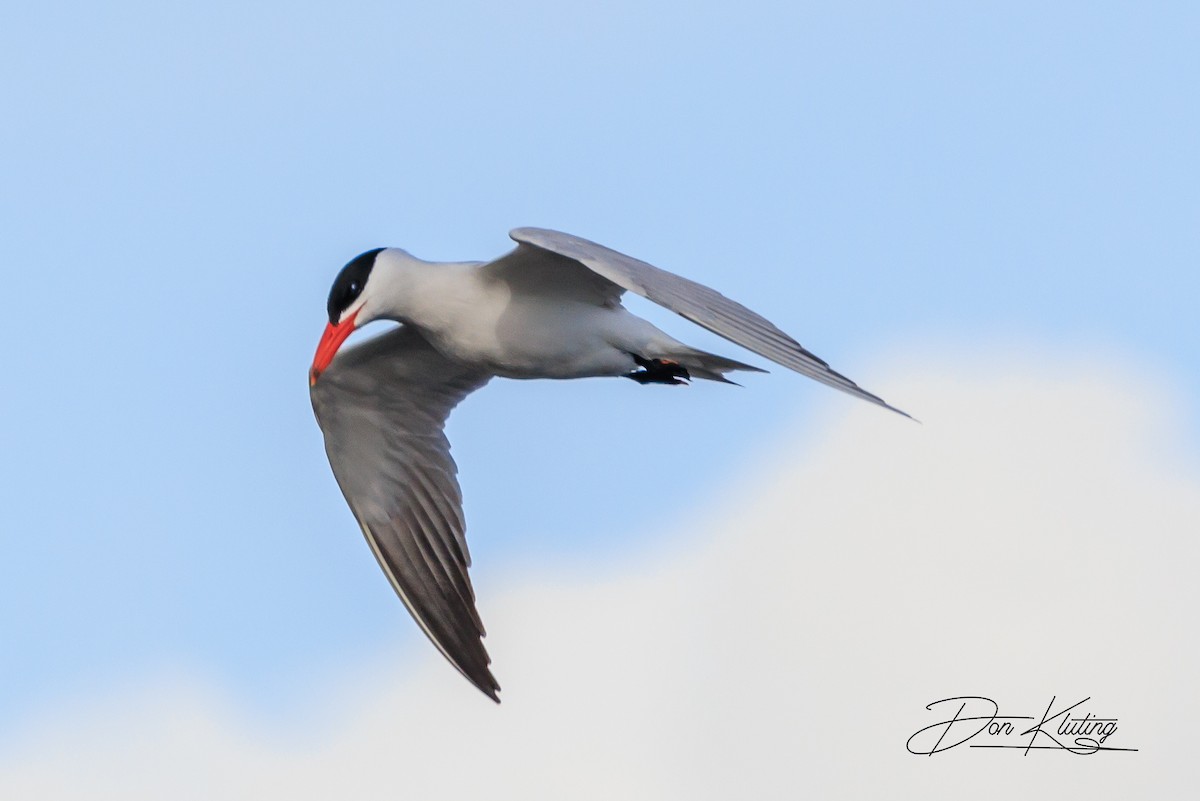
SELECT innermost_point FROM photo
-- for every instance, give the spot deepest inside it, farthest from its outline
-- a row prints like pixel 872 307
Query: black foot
pixel 658 371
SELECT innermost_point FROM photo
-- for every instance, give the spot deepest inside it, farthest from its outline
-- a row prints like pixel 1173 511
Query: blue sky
pixel 181 184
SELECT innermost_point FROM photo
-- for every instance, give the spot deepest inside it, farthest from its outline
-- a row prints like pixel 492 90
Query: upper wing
pixel 689 299
pixel 382 406
pixel 535 269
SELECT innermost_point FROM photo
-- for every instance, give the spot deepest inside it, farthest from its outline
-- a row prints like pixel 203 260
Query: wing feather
pixel 693 301
pixel 382 407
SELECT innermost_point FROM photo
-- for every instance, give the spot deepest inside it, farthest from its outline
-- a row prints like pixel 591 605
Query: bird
pixel 550 308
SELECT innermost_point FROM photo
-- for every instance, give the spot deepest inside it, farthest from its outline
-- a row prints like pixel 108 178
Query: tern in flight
pixel 551 308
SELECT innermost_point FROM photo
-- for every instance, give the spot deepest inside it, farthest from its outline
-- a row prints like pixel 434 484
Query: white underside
pixel 536 338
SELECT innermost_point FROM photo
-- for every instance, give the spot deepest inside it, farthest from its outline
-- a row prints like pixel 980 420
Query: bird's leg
pixel 658 371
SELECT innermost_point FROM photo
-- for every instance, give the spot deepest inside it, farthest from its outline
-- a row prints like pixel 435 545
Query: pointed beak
pixel 331 340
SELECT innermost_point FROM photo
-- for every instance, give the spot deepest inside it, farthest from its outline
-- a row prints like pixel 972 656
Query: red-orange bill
pixel 327 348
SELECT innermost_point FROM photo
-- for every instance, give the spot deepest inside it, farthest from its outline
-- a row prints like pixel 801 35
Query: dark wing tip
pixel 878 401
pixel 483 680
pixel 478 672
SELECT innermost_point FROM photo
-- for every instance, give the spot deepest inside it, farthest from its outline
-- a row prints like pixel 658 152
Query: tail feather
pixel 709 366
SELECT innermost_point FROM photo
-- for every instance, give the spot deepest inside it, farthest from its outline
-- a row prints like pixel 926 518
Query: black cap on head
pixel 349 283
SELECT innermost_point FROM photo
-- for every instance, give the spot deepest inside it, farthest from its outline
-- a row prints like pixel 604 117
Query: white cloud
pixel 1036 536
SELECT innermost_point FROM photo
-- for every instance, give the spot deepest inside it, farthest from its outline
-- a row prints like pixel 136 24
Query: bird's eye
pixel 350 283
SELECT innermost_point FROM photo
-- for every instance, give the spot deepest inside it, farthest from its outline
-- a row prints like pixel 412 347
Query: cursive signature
pixel 978 718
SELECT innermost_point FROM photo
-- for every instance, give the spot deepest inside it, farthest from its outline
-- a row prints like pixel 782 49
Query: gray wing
pixel 539 251
pixel 382 406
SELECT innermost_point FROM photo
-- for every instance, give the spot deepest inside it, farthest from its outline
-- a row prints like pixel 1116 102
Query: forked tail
pixel 684 363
